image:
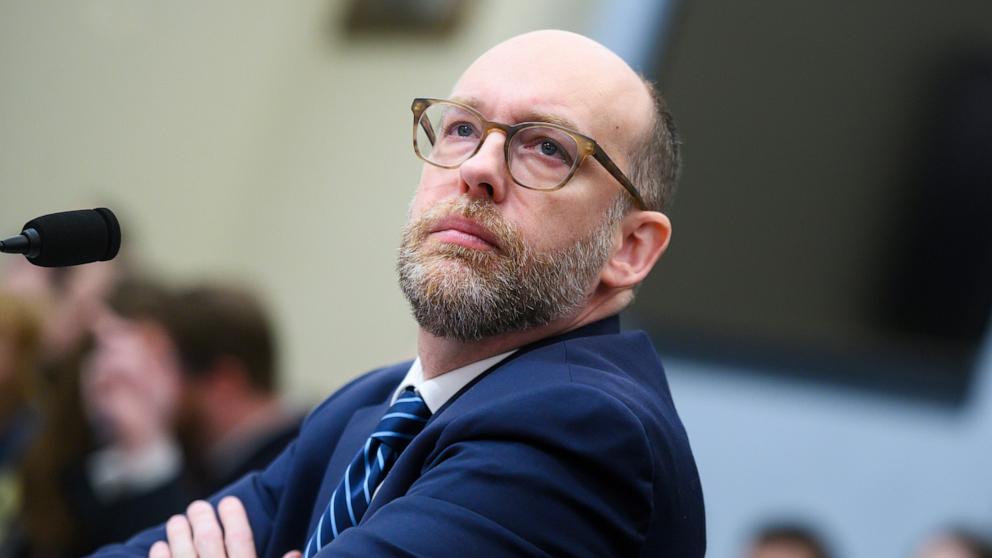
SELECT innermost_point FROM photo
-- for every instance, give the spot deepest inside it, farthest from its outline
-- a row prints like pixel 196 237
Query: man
pixel 528 425
pixel 231 411
pixel 107 462
pixel 205 355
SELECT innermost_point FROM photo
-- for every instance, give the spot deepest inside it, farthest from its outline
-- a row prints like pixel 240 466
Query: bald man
pixel 528 424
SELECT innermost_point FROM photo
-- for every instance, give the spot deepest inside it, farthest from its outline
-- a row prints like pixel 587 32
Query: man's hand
pixel 198 534
pixel 130 384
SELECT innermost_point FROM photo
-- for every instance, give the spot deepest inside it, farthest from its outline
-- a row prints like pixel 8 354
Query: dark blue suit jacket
pixel 570 447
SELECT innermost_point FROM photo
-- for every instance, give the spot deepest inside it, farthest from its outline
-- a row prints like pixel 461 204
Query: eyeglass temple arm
pixel 613 169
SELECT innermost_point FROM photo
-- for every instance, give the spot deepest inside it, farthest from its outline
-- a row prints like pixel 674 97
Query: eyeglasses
pixel 539 155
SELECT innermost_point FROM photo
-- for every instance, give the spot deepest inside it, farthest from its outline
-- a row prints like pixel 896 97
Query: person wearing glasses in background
pixel 528 424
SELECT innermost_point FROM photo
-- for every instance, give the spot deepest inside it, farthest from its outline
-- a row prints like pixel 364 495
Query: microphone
pixel 67 238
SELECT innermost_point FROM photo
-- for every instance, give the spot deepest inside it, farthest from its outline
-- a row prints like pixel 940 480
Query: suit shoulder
pixel 550 410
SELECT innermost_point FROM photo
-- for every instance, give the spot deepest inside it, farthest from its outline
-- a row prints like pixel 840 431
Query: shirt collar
pixel 438 390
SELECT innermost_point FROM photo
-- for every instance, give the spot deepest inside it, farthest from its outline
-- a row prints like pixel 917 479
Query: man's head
pixel 130 380
pixel 482 255
pixel 956 543
pixel 222 330
pixel 227 353
pixel 787 541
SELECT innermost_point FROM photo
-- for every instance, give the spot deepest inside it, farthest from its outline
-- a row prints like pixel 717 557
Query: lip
pixel 467 227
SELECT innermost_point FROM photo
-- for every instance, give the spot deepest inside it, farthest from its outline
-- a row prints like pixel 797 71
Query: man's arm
pixel 562 472
pixel 556 472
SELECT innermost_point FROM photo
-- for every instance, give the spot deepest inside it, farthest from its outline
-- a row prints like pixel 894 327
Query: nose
pixel 485 174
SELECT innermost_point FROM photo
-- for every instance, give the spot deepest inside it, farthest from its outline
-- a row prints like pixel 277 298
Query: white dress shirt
pixel 438 390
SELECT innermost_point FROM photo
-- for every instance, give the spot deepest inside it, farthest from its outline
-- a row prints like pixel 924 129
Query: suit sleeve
pixel 559 472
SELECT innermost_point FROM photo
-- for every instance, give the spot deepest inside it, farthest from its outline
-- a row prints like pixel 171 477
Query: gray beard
pixel 469 294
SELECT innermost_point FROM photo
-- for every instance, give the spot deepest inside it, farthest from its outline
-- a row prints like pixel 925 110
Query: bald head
pixel 574 77
pixel 558 69
pixel 553 54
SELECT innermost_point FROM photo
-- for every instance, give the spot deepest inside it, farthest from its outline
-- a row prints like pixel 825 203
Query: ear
pixel 644 238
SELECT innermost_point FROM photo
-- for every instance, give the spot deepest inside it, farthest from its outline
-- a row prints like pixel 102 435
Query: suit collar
pixel 436 391
pixel 606 326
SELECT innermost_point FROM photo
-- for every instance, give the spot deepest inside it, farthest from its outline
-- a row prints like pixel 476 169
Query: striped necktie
pixel 404 420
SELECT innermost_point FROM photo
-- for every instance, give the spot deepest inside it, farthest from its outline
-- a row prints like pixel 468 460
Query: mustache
pixel 507 237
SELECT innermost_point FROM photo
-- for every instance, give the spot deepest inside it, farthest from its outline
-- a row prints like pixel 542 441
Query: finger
pixel 180 538
pixel 293 554
pixel 159 550
pixel 237 531
pixel 207 536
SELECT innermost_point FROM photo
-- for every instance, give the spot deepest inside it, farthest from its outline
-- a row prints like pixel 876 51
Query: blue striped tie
pixel 404 420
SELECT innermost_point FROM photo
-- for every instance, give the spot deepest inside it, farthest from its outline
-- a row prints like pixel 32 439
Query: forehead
pixel 581 86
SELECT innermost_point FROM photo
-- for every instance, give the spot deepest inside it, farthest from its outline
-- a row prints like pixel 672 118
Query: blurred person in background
pixel 175 397
pixel 19 344
pixel 787 541
pixel 230 407
pixel 107 460
pixel 956 543
pixel 529 424
pixel 65 302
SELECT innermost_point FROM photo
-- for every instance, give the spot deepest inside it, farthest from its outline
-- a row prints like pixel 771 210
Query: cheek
pixel 555 222
pixel 435 185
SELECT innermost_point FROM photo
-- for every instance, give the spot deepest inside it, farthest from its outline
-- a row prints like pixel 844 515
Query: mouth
pixel 464 232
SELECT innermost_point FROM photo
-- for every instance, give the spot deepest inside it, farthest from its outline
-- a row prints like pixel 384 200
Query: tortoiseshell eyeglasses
pixel 538 155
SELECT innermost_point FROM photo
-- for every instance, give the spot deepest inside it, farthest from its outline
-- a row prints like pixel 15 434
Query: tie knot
pixel 404 420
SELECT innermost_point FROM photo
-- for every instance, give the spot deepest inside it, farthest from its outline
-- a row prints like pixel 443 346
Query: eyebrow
pixel 475 103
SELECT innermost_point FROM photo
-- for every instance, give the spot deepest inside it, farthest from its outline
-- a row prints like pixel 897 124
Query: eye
pixel 549 148
pixel 543 145
pixel 461 129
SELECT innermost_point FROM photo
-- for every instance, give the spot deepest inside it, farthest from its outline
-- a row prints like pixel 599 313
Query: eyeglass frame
pixel 586 146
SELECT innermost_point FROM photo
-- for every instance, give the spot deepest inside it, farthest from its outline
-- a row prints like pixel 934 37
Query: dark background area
pixel 835 215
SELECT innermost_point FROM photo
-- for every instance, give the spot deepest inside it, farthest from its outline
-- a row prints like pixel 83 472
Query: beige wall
pixel 241 139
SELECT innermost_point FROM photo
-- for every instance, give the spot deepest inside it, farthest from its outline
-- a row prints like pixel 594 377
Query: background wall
pixel 253 140
pixel 249 140
pixel 830 202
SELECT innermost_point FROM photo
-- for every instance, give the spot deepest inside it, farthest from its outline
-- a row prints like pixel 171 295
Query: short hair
pixel 655 157
pixel 211 322
pixel 140 298
pixel 974 543
pixel 792 533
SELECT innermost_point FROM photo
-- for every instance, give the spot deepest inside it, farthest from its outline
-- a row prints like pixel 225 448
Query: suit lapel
pixel 363 421
pixel 359 428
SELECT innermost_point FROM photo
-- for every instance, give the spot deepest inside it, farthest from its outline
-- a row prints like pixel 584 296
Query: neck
pixel 439 355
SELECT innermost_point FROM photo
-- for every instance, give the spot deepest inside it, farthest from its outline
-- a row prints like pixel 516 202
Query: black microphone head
pixel 76 237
